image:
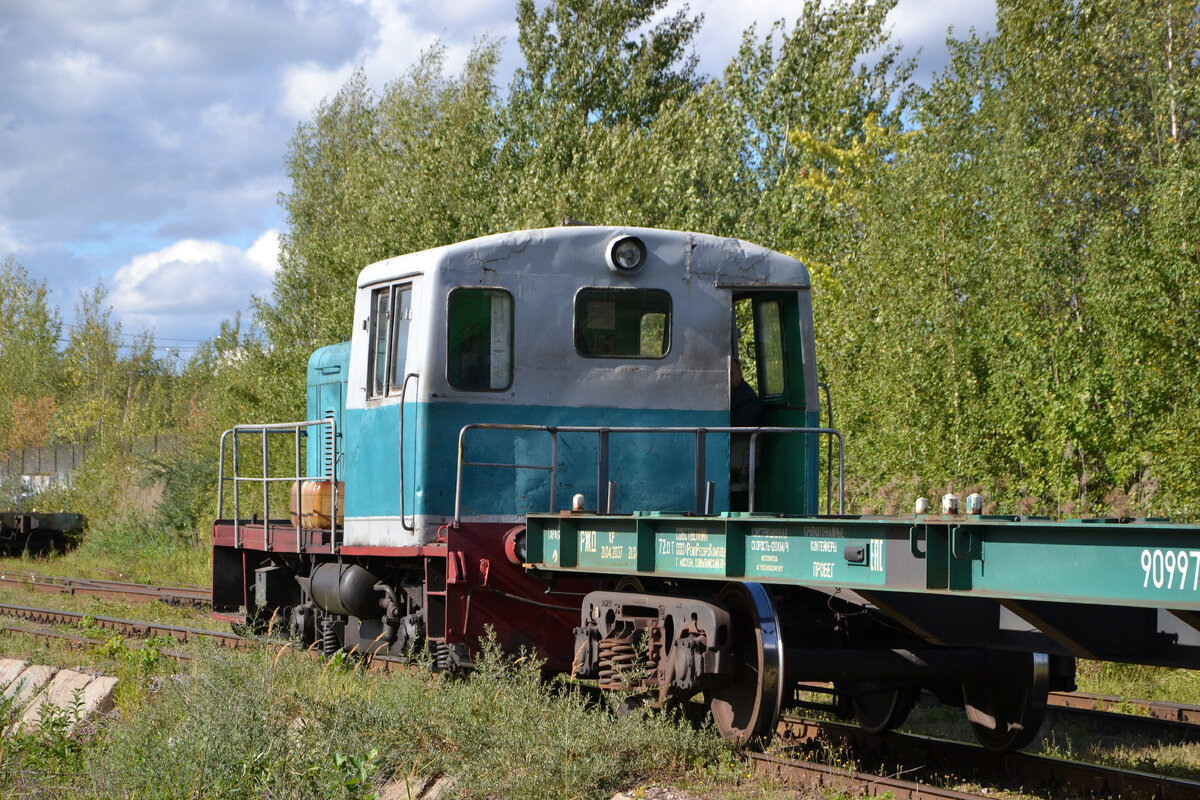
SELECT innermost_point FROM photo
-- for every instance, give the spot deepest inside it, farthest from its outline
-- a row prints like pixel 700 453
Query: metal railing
pixel 604 487
pixel 265 479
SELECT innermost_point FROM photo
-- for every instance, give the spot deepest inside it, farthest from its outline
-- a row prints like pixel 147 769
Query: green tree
pixel 109 398
pixel 374 177
pixel 593 82
pixel 29 331
pixel 799 92
pixel 1017 293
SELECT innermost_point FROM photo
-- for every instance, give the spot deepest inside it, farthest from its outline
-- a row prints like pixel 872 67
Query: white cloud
pixel 306 85
pixel 234 124
pixel 265 252
pixel 8 243
pixel 130 124
pixel 394 46
pixel 80 80
pixel 398 42
pixel 192 283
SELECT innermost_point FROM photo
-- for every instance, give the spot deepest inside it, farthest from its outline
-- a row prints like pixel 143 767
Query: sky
pixel 142 142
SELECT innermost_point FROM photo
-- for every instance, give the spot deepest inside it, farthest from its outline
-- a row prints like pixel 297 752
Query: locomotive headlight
pixel 626 254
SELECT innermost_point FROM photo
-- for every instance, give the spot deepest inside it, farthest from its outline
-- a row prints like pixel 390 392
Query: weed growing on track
pixel 1134 680
pixel 276 724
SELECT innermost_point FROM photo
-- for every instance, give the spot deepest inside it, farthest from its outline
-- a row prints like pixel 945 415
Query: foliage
pixel 29 358
pixel 48 753
pixel 279 724
pixel 1033 323
pixel 1004 264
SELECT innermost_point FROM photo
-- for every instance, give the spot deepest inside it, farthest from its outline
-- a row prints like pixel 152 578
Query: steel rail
pixel 193 596
pixel 853 783
pixel 1155 709
pixel 959 758
pixel 137 628
pixel 73 639
pixel 1175 722
pixel 143 629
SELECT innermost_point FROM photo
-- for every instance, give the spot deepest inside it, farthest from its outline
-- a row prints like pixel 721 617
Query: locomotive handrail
pixel 822 386
pixel 831 432
pixel 266 480
pixel 403 397
pixel 603 432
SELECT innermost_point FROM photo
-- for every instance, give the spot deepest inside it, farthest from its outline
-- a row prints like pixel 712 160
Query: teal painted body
pixel 1142 564
pixel 651 470
pixel 327 385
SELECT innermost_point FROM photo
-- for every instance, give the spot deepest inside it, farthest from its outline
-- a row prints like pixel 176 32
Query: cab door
pixel 778 364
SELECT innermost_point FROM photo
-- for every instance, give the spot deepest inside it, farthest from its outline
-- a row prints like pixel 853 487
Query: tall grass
pixel 276 724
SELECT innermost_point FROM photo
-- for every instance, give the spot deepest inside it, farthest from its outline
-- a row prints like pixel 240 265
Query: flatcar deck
pixel 1107 589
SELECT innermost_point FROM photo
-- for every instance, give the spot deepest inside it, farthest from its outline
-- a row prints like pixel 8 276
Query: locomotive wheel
pixel 879 707
pixel 747 707
pixel 1007 710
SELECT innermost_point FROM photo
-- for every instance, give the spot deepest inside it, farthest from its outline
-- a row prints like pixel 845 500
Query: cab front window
pixel 622 323
pixel 391 316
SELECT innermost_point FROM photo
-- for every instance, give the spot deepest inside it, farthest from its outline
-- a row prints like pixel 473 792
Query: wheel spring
pixel 620 655
pixel 441 655
pixel 330 643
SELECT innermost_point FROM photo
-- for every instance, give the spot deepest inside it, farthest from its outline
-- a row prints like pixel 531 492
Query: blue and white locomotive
pixel 532 432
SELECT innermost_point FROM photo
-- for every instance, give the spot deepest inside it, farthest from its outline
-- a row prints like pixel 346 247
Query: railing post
pixel 237 510
pixel 221 476
pixel 699 489
pixel 266 493
pixel 296 483
pixel 553 470
pixel 334 545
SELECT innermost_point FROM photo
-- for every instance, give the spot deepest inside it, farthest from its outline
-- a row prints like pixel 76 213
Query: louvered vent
pixel 329 447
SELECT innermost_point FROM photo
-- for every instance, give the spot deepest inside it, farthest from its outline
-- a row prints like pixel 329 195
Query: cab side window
pixel 622 323
pixel 768 328
pixel 479 339
pixel 391 316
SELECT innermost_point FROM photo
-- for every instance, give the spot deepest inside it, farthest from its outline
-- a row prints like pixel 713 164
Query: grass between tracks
pixel 130 549
pixel 275 723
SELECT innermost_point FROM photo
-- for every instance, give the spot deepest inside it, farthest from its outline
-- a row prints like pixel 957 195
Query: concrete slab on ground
pixel 29 683
pixel 59 693
pixel 69 690
pixel 10 668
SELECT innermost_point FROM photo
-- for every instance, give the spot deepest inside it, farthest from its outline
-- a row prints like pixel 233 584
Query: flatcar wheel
pixel 630 583
pixel 878 707
pixel 747 708
pixel 1006 710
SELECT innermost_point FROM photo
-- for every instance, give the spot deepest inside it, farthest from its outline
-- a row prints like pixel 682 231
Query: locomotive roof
pixel 720 261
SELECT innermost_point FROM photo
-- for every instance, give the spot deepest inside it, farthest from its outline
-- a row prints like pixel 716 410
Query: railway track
pixel 1156 719
pixel 912 755
pixel 144 630
pixel 126 627
pixel 921 755
pixel 1102 709
pixel 185 596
